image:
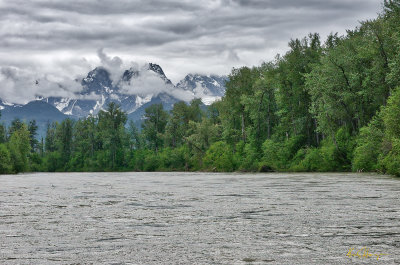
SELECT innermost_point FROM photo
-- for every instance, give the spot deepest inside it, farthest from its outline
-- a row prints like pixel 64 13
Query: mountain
pixel 165 99
pixel 37 110
pixel 134 91
pixel 98 90
pixel 208 88
pixel 4 104
pixel 158 70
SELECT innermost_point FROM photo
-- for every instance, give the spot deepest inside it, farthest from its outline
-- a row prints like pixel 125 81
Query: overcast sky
pixel 61 39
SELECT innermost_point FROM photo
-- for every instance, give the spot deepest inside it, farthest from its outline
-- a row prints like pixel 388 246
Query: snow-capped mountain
pixel 2 106
pixel 136 88
pixel 208 88
pixel 5 104
pixel 98 91
pixel 134 91
pixel 158 70
pixel 37 110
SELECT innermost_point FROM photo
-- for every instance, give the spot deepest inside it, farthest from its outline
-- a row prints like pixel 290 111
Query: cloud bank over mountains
pixel 20 85
pixel 150 83
pixel 57 41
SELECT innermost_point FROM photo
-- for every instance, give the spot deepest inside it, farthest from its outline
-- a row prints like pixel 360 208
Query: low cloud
pixel 91 96
pixel 112 65
pixel 55 41
pixel 148 82
pixel 21 85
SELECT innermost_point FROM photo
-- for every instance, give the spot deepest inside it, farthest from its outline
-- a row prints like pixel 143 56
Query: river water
pixel 198 218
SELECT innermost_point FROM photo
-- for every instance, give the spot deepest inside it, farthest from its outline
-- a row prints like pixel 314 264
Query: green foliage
pixel 35 162
pixel 219 157
pixel 3 133
pixel 19 146
pixel 134 137
pixel 111 124
pixel 389 159
pixel 32 128
pixel 247 157
pixel 391 114
pixel 154 125
pixel 278 154
pixel 368 148
pixel 234 116
pixel 319 107
pixel 390 162
pixel 178 126
pixel 16 125
pixel 53 161
pixel 137 161
pixel 50 141
pixel 309 160
pixel 64 139
pixel 378 144
pixel 86 142
pixel 292 98
pixel 273 155
pixel 151 161
pixel 345 144
pixel 173 159
pixel 5 160
pixel 321 159
pixel 348 84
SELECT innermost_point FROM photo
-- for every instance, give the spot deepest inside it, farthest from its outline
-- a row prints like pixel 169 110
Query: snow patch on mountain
pixel 133 89
pixel 140 101
pixel 208 88
pixel 62 104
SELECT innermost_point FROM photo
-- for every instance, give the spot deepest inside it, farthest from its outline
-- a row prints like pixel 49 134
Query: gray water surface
pixel 198 218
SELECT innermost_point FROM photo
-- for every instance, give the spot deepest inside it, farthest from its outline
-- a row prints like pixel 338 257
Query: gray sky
pixel 57 40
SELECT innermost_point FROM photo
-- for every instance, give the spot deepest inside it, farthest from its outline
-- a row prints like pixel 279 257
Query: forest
pixel 322 106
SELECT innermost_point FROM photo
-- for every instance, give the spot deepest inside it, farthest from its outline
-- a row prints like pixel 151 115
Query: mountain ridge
pixel 135 90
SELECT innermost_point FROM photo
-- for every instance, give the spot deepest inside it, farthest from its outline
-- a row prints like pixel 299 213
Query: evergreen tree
pixel 111 125
pixel 32 128
pixel 155 121
pixel 19 146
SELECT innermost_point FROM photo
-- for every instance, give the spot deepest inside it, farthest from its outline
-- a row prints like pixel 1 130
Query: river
pixel 199 218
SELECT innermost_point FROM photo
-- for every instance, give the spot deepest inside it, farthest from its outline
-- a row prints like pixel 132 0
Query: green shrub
pixel 152 162
pixel 368 147
pixel 390 163
pixel 278 155
pixel 5 161
pixel 219 157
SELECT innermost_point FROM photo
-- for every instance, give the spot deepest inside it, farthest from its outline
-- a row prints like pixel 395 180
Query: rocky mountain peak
pixel 97 81
pixel 129 74
pixel 98 90
pixel 158 70
pixel 204 85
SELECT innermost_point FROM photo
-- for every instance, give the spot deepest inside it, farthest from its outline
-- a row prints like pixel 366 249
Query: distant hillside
pixel 37 110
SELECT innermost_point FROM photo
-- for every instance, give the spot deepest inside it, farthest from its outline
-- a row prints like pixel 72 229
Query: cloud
pixel 62 38
pixel 148 82
pixel 91 96
pixel 21 85
pixel 112 65
pixel 232 56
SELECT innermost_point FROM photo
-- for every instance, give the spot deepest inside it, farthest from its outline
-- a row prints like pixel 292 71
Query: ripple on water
pixel 201 218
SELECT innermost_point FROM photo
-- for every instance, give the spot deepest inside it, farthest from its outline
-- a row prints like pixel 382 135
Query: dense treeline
pixel 332 106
